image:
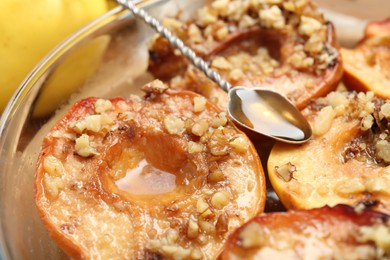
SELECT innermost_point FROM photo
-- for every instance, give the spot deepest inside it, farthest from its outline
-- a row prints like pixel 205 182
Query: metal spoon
pixel 261 111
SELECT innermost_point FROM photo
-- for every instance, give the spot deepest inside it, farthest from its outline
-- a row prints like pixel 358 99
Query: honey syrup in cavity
pixel 145 179
pixel 266 116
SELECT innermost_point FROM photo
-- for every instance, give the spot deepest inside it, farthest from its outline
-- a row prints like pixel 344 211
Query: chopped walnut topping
pixel 94 123
pixel 206 17
pixel 315 44
pixel 221 63
pixel 195 33
pixel 323 120
pixel 222 33
pixel 272 18
pixel 83 146
pixel 174 124
pixel 219 121
pixel 240 144
pixel 236 74
pixel 359 208
pixel 218 143
pixel 207 227
pixel 385 110
pixel 195 147
pixel 53 166
pixel 199 104
pixel 271 2
pixel 155 87
pixel 193 228
pixel 53 184
pixel 286 171
pixel 196 253
pixel 252 235
pixel 378 185
pixel 168 246
pixel 300 60
pixel 203 208
pixel 102 105
pixel 172 23
pixel 379 234
pixel 220 5
pixel 383 150
pixel 367 122
pixel 200 127
pixel 216 176
pixel 219 200
pixel 247 21
pixel 309 26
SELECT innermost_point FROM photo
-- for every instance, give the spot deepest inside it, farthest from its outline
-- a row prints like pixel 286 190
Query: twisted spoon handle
pixel 177 43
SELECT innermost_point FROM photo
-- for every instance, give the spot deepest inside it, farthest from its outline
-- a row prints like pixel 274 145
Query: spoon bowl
pixel 264 112
pixel 261 111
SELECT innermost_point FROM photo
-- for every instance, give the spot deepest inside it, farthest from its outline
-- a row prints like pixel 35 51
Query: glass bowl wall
pixel 106 58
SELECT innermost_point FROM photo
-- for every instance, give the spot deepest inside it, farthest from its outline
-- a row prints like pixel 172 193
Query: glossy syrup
pixel 145 179
pixel 265 114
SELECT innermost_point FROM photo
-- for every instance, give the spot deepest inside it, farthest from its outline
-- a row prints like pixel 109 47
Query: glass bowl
pixel 106 58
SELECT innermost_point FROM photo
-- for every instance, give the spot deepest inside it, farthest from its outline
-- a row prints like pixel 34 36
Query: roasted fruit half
pixel 286 46
pixel 347 160
pixel 341 232
pixel 167 175
pixel 367 66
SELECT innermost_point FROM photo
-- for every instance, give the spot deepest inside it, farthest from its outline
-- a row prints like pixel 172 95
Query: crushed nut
pixel 194 147
pixel 379 234
pixel 240 144
pixel 174 125
pixel 200 127
pixel 252 235
pixel 94 123
pixel 220 199
pixel 83 146
pixel 199 104
pixel 323 121
pixel 53 166
pixel 272 18
pixel 102 105
pixel 155 87
pixel 193 228
pixel 286 171
pixel 309 26
pixel 53 184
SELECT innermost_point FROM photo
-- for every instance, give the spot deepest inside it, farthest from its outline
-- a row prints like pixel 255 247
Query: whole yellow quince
pixel 30 29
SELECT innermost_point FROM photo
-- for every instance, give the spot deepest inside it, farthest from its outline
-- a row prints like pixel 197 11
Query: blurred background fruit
pixel 30 29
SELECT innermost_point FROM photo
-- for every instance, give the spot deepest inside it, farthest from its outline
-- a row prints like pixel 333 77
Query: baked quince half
pixel 167 175
pixel 286 46
pixel 347 161
pixel 367 66
pixel 339 232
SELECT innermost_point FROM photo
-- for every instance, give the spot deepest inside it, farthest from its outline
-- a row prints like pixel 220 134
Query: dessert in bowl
pixel 126 61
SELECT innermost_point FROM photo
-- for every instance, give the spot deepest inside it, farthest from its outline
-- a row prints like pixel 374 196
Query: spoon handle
pixel 177 43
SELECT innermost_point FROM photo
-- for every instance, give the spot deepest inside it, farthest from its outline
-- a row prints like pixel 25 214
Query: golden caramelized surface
pixel 367 66
pixel 347 160
pixel 167 175
pixel 282 45
pixel 340 232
